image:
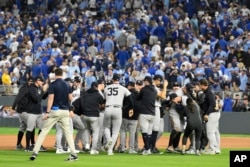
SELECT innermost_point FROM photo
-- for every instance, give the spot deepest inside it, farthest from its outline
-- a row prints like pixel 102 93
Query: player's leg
pixel 31 124
pixel 132 130
pixel 22 129
pixel 107 124
pixel 144 121
pixel 94 125
pixel 78 124
pixel 101 137
pixel 87 132
pixel 39 125
pixel 211 129
pixel 217 135
pixel 155 130
pixel 123 136
pixel 116 125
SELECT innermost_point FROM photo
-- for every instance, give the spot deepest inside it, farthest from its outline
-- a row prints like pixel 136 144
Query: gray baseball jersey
pixel 114 94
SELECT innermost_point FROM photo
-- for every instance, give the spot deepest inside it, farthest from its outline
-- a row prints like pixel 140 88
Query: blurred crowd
pixel 182 40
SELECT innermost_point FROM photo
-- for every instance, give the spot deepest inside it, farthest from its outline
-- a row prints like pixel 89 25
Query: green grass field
pixel 13 158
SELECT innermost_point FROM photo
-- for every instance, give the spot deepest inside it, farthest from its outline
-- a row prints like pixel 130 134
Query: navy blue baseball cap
pixel 77 79
pixel 100 81
pixel 148 79
pixel 139 82
pixel 158 77
pixel 116 77
pixel 68 80
pixel 94 85
pixel 39 78
pixel 131 83
pixel 172 96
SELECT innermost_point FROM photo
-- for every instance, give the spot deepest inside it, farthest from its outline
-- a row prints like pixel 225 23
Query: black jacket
pixel 209 102
pixel 193 115
pixel 22 99
pixel 147 97
pixel 89 103
pixel 36 96
pixel 127 106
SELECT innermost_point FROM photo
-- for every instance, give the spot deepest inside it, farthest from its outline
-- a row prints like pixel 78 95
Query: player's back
pixel 114 94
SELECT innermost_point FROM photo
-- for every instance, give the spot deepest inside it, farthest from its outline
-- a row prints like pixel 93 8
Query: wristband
pixel 47 112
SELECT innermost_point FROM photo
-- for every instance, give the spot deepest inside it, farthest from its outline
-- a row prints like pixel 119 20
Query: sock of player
pixel 153 139
pixel 32 137
pixel 19 137
pixel 145 140
pixel 28 135
pixel 177 139
pixel 171 138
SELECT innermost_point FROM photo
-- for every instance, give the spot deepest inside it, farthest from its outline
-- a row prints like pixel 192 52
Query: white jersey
pixel 76 94
pixel 157 101
pixel 114 94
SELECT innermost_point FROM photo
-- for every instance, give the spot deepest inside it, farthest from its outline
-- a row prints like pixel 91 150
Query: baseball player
pixel 101 138
pixel 161 94
pixel 212 116
pixel 20 105
pixel 130 120
pixel 34 112
pixel 114 95
pixel 77 119
pixel 138 86
pixel 147 98
pixel 90 103
pixel 177 124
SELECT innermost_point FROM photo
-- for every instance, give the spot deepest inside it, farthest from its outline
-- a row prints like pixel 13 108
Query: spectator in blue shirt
pixel 122 57
pixel 227 103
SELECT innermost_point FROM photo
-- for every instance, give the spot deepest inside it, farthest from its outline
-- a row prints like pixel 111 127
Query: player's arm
pixel 50 102
pixel 130 98
pixel 162 94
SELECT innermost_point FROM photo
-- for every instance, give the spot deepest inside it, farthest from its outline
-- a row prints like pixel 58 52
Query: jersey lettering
pixel 112 91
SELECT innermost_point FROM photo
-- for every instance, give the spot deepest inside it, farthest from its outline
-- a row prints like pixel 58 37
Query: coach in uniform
pixel 211 116
pixel 129 120
pixel 77 121
pixel 161 94
pixel 114 95
pixel 58 110
pixel 90 103
pixel 147 98
pixel 20 105
pixel 34 109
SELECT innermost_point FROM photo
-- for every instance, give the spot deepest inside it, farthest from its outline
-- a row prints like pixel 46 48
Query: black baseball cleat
pixel 33 156
pixel 19 147
pixel 28 149
pixel 72 157
pixel 43 149
pixel 156 151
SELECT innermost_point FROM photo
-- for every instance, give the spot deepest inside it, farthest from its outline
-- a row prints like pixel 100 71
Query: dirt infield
pixel 9 142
